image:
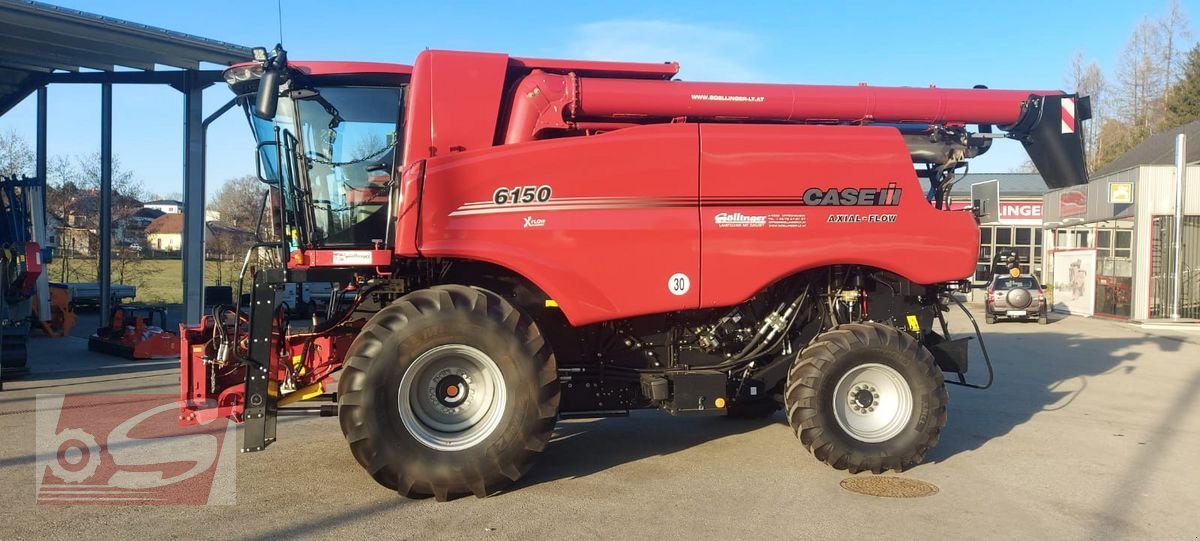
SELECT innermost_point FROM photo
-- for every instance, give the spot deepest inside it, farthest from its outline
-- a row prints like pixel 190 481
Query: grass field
pixel 156 280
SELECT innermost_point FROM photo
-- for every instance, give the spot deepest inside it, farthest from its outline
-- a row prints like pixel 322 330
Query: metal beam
pixel 187 55
pixel 46 63
pixel 52 49
pixel 38 208
pixel 193 200
pixel 76 24
pixel 9 63
pixel 86 46
pixel 174 78
pixel 28 50
pixel 105 274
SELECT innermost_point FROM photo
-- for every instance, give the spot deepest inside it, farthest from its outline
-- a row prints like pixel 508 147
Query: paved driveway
pixel 1091 431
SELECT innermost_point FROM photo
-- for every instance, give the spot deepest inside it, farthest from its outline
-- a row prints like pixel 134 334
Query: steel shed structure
pixel 42 44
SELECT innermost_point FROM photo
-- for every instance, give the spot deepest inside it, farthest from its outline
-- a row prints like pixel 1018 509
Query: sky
pixel 1010 44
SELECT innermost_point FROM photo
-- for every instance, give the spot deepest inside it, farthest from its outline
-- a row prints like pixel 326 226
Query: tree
pixel 1140 79
pixel 1174 30
pixel 73 183
pixel 83 170
pixel 239 201
pixel 1183 105
pixel 1087 79
pixel 16 158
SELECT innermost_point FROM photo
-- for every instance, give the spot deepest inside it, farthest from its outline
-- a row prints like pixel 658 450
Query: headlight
pixel 240 74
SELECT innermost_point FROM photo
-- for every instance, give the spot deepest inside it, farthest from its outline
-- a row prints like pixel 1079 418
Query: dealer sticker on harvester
pixel 738 219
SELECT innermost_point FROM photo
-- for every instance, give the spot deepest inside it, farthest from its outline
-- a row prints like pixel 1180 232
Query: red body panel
pixel 630 210
pixel 453 103
pixel 756 227
pixel 621 221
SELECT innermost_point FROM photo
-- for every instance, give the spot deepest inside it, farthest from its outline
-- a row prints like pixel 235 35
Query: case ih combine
pixel 514 239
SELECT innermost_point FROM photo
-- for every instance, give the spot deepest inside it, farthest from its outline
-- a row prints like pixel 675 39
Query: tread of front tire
pixel 477 479
pixel 802 398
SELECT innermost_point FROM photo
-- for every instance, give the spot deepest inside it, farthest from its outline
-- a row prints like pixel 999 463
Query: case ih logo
pixel 863 197
pixel 130 449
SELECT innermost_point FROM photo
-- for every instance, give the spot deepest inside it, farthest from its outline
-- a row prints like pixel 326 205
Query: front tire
pixel 448 391
pixel 866 397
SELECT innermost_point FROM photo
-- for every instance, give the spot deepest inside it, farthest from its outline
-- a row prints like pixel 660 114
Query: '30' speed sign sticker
pixel 679 284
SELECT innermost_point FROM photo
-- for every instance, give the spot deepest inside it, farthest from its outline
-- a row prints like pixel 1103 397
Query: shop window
pixel 1037 236
pixel 1123 247
pixel 1024 235
pixel 1003 235
pixel 985 235
pixel 981 272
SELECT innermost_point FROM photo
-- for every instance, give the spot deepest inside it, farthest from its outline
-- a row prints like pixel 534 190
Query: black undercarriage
pixel 700 362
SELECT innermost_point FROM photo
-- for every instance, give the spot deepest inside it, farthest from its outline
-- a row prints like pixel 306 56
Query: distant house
pixel 165 233
pixel 78 240
pixel 132 229
pixel 82 209
pixel 167 206
pixel 223 240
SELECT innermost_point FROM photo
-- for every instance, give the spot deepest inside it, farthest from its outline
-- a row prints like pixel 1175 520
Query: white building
pixel 168 206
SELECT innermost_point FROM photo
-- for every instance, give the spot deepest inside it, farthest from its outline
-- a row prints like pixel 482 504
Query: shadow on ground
pixel 1034 372
pixel 579 449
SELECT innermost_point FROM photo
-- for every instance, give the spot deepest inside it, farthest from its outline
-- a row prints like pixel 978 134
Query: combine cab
pixel 512 239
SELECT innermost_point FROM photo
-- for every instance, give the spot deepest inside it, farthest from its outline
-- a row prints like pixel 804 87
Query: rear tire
pixel 406 393
pixel 869 367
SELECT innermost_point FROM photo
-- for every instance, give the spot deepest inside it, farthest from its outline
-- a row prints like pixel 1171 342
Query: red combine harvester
pixel 516 239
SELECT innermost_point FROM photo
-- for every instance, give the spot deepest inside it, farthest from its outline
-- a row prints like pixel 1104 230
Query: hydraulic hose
pixel 987 359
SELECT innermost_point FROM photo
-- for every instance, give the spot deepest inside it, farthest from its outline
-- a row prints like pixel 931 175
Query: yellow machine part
pixel 303 393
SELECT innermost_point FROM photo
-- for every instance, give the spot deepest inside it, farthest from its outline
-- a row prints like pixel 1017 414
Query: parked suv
pixel 1019 297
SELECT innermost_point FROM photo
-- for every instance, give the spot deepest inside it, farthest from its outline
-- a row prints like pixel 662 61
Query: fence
pixel 1162 265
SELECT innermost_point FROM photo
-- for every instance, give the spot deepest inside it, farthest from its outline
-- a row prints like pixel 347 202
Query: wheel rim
pixel 872 403
pixel 452 397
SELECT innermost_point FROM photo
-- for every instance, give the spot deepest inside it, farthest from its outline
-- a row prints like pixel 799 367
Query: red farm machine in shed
pixel 516 239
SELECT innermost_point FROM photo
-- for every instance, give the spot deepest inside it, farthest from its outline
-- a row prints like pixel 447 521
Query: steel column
pixel 1180 175
pixel 38 212
pixel 193 199
pixel 104 276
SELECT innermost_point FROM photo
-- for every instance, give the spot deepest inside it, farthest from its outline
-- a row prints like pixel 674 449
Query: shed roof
pixel 1158 149
pixel 37 39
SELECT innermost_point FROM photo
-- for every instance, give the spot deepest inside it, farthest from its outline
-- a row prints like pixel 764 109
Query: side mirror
pixel 268 86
